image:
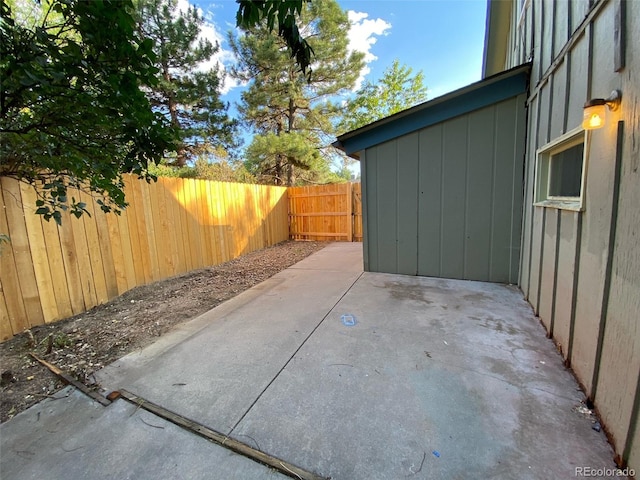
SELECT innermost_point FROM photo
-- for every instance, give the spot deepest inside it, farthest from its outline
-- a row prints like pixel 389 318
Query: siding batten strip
pixel 494 160
pixel 555 274
pixel 619 32
pixel 541 259
pixel 466 206
pixel 442 156
pixel 567 92
pixel 532 210
pixel 365 217
pixel 417 270
pixel 574 294
pixel 633 424
pixel 552 81
pixel 606 291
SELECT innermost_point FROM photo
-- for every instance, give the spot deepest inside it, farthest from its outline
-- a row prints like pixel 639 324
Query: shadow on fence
pixel 173 226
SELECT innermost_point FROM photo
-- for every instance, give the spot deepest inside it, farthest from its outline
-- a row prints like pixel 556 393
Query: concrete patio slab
pixel 437 379
pixel 347 374
pixel 72 437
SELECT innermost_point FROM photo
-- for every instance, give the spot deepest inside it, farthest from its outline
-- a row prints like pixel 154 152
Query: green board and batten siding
pixel 443 184
pixel 580 270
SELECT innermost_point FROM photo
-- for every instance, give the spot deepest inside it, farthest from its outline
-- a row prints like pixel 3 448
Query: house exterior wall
pixel 580 270
pixel 445 201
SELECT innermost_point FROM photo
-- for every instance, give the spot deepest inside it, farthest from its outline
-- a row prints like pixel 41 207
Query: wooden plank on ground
pixel 281 466
pixel 69 380
pixel 22 252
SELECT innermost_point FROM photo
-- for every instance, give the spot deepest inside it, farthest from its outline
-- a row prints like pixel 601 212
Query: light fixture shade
pixel 594 117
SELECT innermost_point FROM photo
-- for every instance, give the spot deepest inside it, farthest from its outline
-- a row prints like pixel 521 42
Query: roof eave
pixel 472 97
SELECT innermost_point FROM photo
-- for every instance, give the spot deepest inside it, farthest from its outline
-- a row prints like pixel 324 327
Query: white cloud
pixel 363 35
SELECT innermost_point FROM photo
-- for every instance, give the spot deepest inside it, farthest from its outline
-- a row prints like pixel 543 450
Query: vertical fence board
pixel 221 220
pixel 176 225
pixel 87 282
pixel 201 194
pixel 157 234
pixel 53 253
pixel 181 221
pixel 213 220
pixel 70 262
pixel 132 226
pixel 22 253
pixel 149 206
pixel 15 314
pixel 6 330
pixel 194 234
pixel 142 218
pixel 127 249
pixel 168 236
pixel 94 250
pixel 38 253
pixel 105 242
pixel 117 253
pixel 357 212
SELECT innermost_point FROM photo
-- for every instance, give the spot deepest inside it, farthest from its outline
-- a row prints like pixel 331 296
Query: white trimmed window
pixel 560 172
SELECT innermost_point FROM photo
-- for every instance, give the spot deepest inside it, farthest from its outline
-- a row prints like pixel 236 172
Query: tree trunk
pixel 290 160
pixel 291 176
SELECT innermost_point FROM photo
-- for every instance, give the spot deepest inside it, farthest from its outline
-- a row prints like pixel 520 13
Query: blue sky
pixel 443 38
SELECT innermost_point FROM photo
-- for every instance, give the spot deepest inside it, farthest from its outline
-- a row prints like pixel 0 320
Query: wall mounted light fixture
pixel 595 111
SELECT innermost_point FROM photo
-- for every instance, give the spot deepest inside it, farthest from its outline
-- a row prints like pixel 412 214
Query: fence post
pixel 350 212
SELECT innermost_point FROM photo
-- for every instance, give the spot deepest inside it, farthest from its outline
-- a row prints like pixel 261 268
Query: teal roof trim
pixel 467 99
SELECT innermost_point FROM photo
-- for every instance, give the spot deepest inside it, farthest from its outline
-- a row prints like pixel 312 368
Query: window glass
pixel 565 177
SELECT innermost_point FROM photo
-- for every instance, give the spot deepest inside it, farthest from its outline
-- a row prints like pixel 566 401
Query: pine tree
pixel 397 90
pixel 290 113
pixel 189 96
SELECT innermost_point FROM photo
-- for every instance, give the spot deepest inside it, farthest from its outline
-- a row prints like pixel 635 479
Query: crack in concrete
pixel 294 354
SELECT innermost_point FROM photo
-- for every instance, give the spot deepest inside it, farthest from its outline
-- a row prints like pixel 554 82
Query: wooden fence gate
pixel 326 212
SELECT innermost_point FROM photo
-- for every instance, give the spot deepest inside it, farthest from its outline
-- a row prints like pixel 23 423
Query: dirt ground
pixel 85 343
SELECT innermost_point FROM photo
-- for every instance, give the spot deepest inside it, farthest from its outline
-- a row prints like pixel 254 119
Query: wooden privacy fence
pixel 326 212
pixel 170 227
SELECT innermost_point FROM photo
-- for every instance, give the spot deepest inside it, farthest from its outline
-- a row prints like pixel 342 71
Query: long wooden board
pixel 281 466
